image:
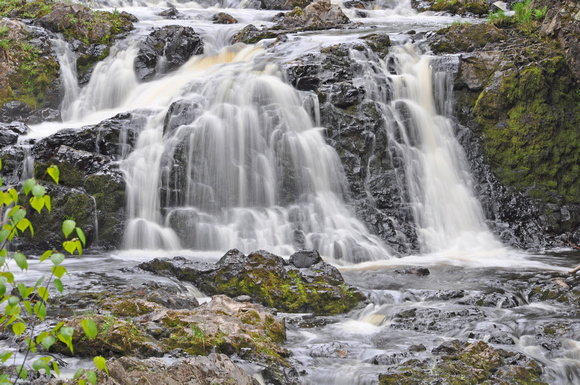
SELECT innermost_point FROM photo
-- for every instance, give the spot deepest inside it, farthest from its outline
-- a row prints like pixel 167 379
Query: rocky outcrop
pixel 465 8
pixel 29 72
pixel 283 5
pixel 214 369
pixel 475 362
pixel 166 49
pixel 306 284
pixel 316 16
pixel 516 94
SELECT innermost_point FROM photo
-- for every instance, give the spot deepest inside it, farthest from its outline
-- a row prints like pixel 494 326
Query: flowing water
pixel 230 155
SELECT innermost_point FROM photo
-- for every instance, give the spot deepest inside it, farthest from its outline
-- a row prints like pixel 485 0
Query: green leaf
pixel 67 227
pixel 58 271
pixel 40 310
pixel 81 236
pixel 48 341
pixel 56 368
pixel 4 234
pixel 92 377
pixel 23 372
pixel 23 224
pixel 13 301
pixel 58 284
pixel 70 246
pixel 13 194
pixel 37 203
pixel 38 364
pixel 65 335
pixel 28 307
pixel 47 202
pixel 39 282
pixel 38 191
pixel 101 364
pixel 43 293
pixel 21 261
pixel 45 255
pixel 57 258
pixel 9 276
pixel 28 185
pixel 18 328
pixel 78 373
pixel 4 356
pixel 82 382
pixel 18 215
pixel 90 327
pixel 53 172
pixel 22 290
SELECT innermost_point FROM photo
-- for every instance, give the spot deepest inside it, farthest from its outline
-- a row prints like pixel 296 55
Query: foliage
pixel 26 306
pixel 525 17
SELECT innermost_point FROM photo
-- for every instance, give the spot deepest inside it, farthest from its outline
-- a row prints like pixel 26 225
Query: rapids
pixel 250 169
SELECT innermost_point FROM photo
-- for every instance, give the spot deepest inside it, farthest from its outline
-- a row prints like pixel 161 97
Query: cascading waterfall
pixel 235 161
pixel 437 183
pixel 68 75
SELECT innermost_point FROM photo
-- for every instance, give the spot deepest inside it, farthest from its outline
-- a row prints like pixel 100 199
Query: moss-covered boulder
pixel 466 363
pixel 267 279
pixel 465 8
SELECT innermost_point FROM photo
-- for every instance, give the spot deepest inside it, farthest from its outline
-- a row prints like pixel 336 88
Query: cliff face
pixel 517 92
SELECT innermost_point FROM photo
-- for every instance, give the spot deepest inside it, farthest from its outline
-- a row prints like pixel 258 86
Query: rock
pixel 44 115
pixel 268 280
pixel 223 18
pixel 305 258
pixel 475 362
pixel 419 271
pixel 10 132
pixel 175 44
pixel 283 5
pixel 316 16
pixel 470 7
pixel 171 13
pixel 251 35
pixel 214 369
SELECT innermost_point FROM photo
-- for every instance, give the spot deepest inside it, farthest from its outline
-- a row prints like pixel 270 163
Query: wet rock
pixel 171 13
pixel 202 370
pixel 305 258
pixel 316 16
pixel 418 271
pixel 165 49
pixel 475 362
pixel 44 115
pixel 224 18
pixel 469 8
pixel 250 34
pixel 9 133
pixel 283 5
pixel 267 279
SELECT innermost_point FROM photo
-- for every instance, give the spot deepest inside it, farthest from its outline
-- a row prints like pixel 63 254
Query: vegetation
pixel 26 306
pixel 525 17
pixel 474 7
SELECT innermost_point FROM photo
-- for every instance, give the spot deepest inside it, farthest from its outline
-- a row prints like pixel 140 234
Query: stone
pixel 224 18
pixel 305 258
pixel 165 49
pixel 316 16
pixel 9 133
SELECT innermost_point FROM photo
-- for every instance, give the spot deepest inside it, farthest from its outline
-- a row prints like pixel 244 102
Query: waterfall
pixel 437 183
pixel 235 161
pixel 68 75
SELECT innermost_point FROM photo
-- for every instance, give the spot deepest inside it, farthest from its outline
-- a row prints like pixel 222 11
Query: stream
pixel 222 168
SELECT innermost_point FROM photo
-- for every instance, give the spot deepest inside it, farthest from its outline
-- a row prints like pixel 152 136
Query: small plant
pixel 26 306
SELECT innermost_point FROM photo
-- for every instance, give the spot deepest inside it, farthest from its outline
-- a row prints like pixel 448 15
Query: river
pixel 229 191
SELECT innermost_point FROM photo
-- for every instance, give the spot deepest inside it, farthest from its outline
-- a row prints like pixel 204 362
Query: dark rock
pixel 175 44
pixel 267 279
pixel 224 18
pixel 305 258
pixel 9 133
pixel 44 115
pixel 283 5
pixel 171 13
pixel 316 16
pixel 419 271
pixel 250 34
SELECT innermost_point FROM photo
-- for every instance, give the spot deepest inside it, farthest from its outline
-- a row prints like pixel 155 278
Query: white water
pixel 248 168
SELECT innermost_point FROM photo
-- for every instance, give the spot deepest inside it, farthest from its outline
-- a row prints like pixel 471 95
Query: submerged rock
pixel 267 279
pixel 165 49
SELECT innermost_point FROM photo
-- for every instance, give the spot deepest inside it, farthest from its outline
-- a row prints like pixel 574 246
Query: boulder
pixel 475 362
pixel 316 16
pixel 9 133
pixel 165 49
pixel 224 18
pixel 250 34
pixel 268 279
pixel 214 369
pixel 283 5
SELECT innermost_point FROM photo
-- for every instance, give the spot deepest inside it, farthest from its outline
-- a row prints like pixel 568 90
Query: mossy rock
pixel 269 280
pixel 466 363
